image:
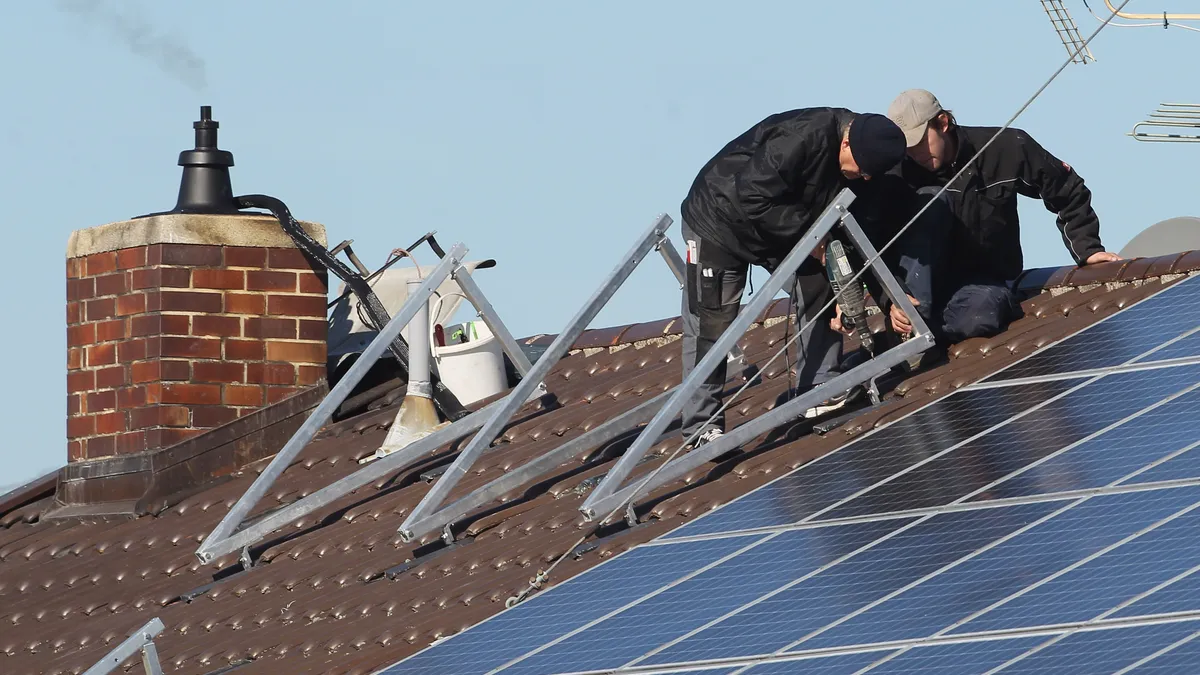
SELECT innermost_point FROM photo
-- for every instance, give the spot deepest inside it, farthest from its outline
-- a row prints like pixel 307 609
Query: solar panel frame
pixel 952 659
pixel 1096 651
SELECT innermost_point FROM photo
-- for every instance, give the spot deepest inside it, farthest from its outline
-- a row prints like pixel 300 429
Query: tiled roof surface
pixel 320 602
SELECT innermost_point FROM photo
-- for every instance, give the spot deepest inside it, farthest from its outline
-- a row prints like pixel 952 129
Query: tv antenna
pixel 1175 116
pixel 1067 31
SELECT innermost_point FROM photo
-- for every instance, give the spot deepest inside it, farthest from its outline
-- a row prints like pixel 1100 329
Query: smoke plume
pixel 126 22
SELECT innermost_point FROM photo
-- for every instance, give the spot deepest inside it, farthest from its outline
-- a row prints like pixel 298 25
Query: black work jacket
pixel 986 237
pixel 759 195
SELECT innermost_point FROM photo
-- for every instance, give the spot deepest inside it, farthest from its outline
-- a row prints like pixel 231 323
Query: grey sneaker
pixel 708 436
pixel 835 402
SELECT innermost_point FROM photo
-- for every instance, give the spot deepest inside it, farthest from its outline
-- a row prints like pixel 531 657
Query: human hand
pixel 836 322
pixel 900 321
pixel 1101 256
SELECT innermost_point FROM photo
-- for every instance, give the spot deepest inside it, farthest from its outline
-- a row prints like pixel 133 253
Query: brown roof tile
pixel 321 598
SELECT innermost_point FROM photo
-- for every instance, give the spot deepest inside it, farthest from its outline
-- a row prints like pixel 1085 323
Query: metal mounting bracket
pixel 225 538
pixel 427 516
pixel 142 640
pixel 609 496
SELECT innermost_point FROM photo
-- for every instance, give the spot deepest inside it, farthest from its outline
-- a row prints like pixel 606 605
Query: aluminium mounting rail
pixel 609 495
pixel 226 538
pixel 427 517
pixel 142 640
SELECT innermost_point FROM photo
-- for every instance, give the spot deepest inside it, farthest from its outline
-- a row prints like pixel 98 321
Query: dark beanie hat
pixel 876 143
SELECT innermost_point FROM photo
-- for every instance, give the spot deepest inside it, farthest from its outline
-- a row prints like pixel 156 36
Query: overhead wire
pixel 1165 23
pixel 539 580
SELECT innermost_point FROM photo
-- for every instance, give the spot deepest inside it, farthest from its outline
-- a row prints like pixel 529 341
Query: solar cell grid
pixel 957 472
pixel 784 619
pixel 1120 575
pixel 1119 338
pixel 705 597
pixel 1181 466
pixel 1180 657
pixel 1163 433
pixel 1076 530
pixel 548 615
pixel 1181 596
pixel 1100 651
pixel 856 467
pixel 1185 347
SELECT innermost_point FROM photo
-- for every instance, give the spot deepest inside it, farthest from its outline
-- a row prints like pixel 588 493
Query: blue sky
pixel 546 135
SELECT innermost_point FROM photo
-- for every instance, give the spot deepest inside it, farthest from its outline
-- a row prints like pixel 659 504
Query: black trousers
pixel 711 301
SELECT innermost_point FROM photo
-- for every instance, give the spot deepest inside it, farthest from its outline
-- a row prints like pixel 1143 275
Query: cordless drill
pixel 849 293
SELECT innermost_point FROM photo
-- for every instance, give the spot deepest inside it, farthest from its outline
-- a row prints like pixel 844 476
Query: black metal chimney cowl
pixel 205 186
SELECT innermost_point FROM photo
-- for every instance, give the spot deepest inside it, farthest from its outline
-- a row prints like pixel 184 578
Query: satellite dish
pixel 1173 235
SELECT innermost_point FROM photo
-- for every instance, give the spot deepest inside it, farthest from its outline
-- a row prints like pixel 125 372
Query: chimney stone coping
pixel 187 228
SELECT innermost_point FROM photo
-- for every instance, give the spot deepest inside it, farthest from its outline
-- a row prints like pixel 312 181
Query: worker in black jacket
pixel 750 205
pixel 957 259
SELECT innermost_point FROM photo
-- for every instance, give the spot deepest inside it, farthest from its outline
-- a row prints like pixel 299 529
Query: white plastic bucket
pixel 473 370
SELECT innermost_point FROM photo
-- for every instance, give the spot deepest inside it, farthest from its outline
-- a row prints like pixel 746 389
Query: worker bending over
pixel 750 205
pixel 957 259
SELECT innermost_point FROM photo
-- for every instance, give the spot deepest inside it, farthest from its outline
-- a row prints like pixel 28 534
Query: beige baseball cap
pixel 911 111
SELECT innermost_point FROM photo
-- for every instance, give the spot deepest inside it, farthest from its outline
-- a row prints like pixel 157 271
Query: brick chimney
pixel 182 322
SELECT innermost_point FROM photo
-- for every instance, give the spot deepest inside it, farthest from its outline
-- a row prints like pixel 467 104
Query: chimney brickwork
pixel 180 323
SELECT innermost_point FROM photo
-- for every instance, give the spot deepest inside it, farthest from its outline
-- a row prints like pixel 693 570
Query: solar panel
pixel 975 465
pixel 1184 597
pixel 821 484
pixel 1020 528
pixel 794 616
pixel 1187 346
pixel 1079 531
pixel 1179 658
pixel 1181 466
pixel 1161 437
pixel 1120 338
pixel 625 578
pixel 724 588
pixel 1120 575
pixel 1100 651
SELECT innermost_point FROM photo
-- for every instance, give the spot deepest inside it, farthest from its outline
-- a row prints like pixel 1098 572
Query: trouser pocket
pixel 715 281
